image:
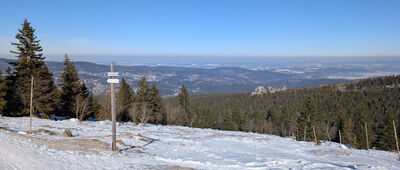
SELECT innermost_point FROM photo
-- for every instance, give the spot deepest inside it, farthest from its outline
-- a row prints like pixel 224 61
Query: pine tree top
pixel 28 47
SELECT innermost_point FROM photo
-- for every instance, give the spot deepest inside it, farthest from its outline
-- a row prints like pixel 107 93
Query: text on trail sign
pixel 113 74
pixel 112 80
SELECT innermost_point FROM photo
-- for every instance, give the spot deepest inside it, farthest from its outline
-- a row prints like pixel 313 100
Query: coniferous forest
pixel 351 109
pixel 345 107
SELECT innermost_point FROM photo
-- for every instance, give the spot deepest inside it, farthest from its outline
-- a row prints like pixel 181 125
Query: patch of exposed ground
pixel 178 168
pixel 321 152
pixel 82 145
pixel 48 132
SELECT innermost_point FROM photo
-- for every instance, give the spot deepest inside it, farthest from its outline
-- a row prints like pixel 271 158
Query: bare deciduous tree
pixel 145 114
pixel 81 106
pixel 329 128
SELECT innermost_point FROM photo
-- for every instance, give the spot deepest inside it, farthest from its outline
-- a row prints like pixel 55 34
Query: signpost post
pixel 112 81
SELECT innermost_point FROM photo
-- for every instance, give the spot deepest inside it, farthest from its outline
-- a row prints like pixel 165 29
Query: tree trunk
pixel 366 135
pixel 315 136
pixel 31 108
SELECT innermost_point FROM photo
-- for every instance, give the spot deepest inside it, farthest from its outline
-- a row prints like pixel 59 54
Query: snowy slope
pixel 169 147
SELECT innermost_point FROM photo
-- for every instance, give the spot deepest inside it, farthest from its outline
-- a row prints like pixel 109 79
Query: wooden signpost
pixel 397 142
pixel 366 135
pixel 112 81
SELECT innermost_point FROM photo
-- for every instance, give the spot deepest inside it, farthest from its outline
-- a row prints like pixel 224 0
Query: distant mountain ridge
pixel 198 80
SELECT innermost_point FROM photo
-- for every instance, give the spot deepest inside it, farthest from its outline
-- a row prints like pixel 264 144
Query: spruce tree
pixel 143 92
pixel 31 63
pixel 345 125
pixel 360 117
pixel 124 100
pixel 14 104
pixel 183 98
pixel 184 105
pixel 3 94
pixel 228 123
pixel 385 137
pixel 70 88
pixel 156 106
pixel 308 119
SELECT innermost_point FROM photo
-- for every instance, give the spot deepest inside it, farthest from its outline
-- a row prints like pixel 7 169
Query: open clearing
pixel 168 147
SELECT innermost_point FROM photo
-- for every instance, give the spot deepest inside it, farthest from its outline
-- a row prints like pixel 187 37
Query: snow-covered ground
pixel 168 147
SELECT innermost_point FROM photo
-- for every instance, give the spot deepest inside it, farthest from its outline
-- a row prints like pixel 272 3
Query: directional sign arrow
pixel 112 80
pixel 113 74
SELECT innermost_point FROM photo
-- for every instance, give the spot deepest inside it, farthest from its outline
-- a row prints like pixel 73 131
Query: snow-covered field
pixel 168 147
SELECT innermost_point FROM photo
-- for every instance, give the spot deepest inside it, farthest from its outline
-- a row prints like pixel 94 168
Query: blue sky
pixel 207 27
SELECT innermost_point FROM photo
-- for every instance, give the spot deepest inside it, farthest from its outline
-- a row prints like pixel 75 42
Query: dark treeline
pixel 346 107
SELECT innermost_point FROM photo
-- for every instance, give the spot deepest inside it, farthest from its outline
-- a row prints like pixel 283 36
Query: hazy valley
pixel 230 77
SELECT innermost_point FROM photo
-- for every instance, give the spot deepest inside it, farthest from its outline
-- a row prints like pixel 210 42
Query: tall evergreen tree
pixel 124 100
pixel 3 94
pixel 308 118
pixel 346 128
pixel 70 87
pixel 143 92
pixel 31 63
pixel 156 106
pixel 385 137
pixel 184 105
pixel 360 118
pixel 345 125
pixel 14 104
pixel 183 98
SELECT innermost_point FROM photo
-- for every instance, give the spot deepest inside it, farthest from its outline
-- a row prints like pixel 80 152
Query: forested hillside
pixel 345 107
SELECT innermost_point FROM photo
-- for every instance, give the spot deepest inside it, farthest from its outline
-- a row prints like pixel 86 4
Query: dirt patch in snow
pixel 237 136
pixel 223 135
pixel 130 148
pixel 344 153
pixel 320 152
pixel 48 132
pixel 84 146
pixel 18 134
pixel 187 131
pixel 178 168
pixel 123 144
pixel 46 126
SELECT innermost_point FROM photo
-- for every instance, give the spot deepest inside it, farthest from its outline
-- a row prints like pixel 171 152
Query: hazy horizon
pixel 206 28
